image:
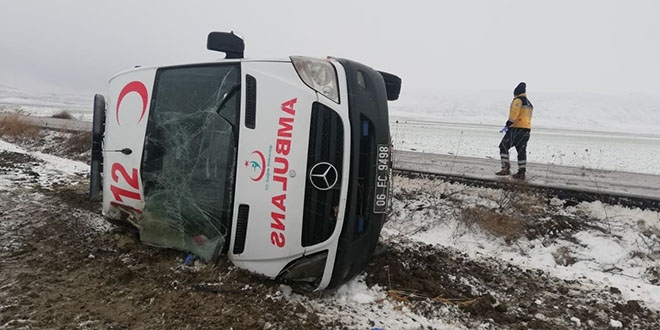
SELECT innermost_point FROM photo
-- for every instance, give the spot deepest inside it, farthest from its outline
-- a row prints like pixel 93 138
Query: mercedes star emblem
pixel 323 176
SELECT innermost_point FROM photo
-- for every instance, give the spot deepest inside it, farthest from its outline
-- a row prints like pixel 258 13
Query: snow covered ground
pixel 623 259
pixel 621 250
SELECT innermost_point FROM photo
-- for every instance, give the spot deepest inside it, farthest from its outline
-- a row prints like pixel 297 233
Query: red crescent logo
pixel 263 162
pixel 137 87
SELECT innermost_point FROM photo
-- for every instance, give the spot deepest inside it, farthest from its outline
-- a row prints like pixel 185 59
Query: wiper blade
pixel 225 98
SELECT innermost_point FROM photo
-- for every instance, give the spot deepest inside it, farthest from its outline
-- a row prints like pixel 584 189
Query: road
pixel 55 123
pixel 596 182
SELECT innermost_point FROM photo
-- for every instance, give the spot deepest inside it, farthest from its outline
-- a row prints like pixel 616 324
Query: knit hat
pixel 521 88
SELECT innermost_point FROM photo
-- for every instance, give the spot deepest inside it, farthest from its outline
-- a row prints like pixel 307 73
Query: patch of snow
pixel 576 321
pixel 604 260
pixel 364 307
pixel 616 324
pixel 51 169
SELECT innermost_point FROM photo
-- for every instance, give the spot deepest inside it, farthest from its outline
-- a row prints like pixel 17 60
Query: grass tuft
pixel 497 224
pixel 63 115
pixel 16 127
pixel 79 143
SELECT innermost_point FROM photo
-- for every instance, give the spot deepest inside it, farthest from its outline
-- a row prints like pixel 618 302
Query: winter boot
pixel 520 175
pixel 504 171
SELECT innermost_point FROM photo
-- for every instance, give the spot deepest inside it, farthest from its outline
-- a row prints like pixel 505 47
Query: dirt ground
pixel 510 298
pixel 59 272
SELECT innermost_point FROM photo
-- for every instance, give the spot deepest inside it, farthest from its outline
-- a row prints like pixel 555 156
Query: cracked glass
pixel 189 159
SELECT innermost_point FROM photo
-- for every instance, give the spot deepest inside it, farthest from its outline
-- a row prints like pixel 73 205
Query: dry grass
pixel 564 256
pixel 79 142
pixel 15 127
pixel 529 204
pixel 63 115
pixel 71 145
pixel 497 224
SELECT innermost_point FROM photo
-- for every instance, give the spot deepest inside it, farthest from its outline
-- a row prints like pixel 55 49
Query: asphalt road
pixel 596 182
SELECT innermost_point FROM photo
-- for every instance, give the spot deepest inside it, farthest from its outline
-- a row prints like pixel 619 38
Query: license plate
pixel 382 178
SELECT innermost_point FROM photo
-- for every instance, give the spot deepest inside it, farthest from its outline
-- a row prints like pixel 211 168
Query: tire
pixel 98 129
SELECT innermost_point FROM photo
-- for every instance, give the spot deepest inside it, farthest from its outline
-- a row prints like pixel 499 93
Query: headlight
pixel 318 74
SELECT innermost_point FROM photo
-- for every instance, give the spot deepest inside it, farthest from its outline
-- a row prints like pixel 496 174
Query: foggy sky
pixel 602 46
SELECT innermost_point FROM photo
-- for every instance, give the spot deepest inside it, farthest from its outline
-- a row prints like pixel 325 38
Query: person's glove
pixel 506 126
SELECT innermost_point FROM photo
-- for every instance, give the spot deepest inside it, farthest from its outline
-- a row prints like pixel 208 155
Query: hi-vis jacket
pixel 520 113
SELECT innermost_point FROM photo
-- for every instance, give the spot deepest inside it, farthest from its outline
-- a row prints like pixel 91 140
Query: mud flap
pixel 98 129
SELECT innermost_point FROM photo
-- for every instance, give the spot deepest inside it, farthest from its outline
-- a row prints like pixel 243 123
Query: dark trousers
pixel 515 137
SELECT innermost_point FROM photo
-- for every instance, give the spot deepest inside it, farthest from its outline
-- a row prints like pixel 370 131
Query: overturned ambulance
pixel 282 165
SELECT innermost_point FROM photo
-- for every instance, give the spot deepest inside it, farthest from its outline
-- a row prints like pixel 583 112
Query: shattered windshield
pixel 189 158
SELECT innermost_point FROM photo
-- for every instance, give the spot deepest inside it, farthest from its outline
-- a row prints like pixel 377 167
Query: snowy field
pixel 46 104
pixel 625 260
pixel 638 153
pixel 595 131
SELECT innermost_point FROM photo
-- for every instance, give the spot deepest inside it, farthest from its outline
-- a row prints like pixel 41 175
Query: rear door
pixel 126 122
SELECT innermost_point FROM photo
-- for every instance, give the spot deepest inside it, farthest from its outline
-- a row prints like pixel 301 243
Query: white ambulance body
pixel 284 165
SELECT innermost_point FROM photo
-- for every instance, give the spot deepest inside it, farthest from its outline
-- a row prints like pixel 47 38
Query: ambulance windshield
pixel 189 158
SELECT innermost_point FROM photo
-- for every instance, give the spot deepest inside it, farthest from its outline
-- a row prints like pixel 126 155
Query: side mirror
pixel 226 42
pixel 392 85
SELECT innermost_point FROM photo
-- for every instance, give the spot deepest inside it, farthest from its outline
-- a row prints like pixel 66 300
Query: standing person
pixel 517 130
